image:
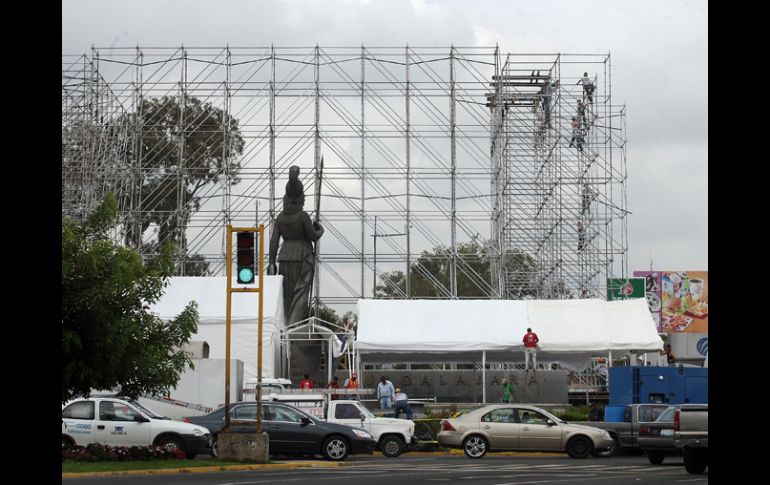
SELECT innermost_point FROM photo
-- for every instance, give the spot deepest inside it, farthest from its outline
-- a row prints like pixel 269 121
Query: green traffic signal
pixel 245 258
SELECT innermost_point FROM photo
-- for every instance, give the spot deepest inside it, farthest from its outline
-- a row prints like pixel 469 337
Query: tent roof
pixel 211 294
pixel 460 327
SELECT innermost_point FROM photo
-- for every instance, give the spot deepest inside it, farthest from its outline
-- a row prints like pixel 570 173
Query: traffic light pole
pixel 230 291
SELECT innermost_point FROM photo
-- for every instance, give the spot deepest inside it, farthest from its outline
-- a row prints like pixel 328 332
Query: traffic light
pixel 245 258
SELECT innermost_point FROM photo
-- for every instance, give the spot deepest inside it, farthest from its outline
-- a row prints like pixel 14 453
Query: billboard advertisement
pixel 625 288
pixel 684 301
pixel 652 291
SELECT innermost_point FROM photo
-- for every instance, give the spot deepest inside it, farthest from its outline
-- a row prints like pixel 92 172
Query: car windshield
pixel 146 411
pixel 367 413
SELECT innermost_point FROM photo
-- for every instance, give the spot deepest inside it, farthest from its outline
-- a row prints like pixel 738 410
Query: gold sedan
pixel 519 427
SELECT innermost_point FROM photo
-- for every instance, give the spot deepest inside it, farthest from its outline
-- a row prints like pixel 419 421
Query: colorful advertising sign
pixel 625 288
pixel 684 301
pixel 652 289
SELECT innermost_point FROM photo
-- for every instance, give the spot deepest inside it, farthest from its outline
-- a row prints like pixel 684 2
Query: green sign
pixel 625 288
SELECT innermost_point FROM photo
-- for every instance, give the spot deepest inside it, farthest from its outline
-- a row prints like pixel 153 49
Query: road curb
pixel 279 466
pixel 207 469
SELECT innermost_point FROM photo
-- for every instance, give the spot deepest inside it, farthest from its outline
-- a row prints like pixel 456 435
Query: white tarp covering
pixel 569 330
pixel 211 294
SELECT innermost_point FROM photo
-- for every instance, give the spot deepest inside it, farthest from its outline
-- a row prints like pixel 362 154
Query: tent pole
pixel 484 377
pixel 609 364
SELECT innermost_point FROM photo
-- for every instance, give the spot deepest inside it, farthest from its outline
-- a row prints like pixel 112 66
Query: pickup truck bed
pixel 691 434
pixel 626 432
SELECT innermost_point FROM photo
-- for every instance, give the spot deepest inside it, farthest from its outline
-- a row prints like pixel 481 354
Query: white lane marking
pixel 573 479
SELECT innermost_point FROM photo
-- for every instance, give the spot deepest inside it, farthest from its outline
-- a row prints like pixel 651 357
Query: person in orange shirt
pixel 352 383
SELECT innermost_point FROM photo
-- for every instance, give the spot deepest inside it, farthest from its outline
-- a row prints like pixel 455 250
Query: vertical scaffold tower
pixel 425 149
pixel 559 155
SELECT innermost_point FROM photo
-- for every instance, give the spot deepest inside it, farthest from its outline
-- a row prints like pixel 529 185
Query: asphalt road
pixel 499 470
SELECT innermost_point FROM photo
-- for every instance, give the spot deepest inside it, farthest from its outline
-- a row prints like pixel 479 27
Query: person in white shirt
pixel 385 392
pixel 588 87
pixel 402 404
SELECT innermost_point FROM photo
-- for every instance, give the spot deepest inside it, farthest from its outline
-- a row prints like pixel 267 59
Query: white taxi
pixel 120 422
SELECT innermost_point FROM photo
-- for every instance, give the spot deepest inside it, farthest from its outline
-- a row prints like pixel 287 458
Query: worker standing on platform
pixel 530 350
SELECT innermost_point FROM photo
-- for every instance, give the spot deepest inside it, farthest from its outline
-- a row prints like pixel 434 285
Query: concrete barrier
pixel 244 447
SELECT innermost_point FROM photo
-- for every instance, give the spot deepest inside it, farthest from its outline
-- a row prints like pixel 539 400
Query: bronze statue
pixel 296 258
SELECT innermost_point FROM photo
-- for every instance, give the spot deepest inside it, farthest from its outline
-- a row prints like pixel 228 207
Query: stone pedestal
pixel 250 448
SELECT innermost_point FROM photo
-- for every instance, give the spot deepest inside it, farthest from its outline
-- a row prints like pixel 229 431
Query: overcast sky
pixel 659 70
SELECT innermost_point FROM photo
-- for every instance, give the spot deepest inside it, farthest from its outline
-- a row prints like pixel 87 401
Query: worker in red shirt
pixel 530 349
pixel 306 383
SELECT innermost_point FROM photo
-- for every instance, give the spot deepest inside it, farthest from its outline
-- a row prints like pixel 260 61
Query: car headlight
pixel 198 432
pixel 362 434
pixel 606 434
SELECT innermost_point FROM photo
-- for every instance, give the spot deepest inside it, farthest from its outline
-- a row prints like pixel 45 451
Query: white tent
pixel 210 292
pixel 570 331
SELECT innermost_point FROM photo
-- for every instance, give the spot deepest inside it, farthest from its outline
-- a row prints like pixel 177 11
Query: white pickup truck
pixel 393 436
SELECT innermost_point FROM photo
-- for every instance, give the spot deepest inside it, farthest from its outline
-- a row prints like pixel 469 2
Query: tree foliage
pixel 183 146
pixel 473 275
pixel 109 338
pixel 325 313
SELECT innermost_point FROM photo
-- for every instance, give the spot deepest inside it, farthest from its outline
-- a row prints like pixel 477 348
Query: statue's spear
pixel 320 174
pixel 318 191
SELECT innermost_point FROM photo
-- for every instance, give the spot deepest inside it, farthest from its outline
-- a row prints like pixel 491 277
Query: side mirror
pixel 362 416
pixel 550 422
pixel 141 419
pixel 306 421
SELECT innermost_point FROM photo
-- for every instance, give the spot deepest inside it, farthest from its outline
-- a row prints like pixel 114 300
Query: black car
pixel 290 430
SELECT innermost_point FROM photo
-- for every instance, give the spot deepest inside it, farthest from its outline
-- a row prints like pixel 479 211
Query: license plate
pixel 667 432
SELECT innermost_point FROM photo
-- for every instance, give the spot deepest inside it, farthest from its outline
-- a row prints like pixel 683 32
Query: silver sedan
pixel 520 427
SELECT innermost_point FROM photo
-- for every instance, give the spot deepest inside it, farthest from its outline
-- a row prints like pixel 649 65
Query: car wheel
pixel 392 446
pixel 66 442
pixel 171 443
pixel 579 447
pixel 475 446
pixel 611 451
pixel 694 462
pixel 214 449
pixel 335 448
pixel 655 457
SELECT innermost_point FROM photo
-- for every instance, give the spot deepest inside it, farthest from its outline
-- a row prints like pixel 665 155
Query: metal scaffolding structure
pixel 425 148
pixel 559 171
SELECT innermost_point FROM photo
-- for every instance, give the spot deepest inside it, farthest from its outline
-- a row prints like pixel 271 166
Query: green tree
pixel 183 147
pixel 325 313
pixel 109 338
pixel 473 273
